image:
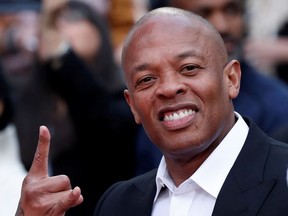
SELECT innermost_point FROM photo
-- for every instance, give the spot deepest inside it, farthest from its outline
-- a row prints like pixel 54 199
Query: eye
pixel 145 80
pixel 189 69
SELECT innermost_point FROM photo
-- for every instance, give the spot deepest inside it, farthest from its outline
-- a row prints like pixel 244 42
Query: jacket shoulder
pixel 130 197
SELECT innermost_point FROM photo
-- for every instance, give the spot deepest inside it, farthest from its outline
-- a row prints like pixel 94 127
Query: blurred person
pixel 268 54
pixel 258 91
pixel 281 69
pixel 265 20
pixel 267 43
pixel 264 48
pixel 12 170
pixel 34 103
pixel 180 87
pixel 120 16
pixel 76 56
pixel 76 25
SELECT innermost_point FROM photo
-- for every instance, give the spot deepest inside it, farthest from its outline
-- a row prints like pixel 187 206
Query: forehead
pixel 167 30
pixel 169 38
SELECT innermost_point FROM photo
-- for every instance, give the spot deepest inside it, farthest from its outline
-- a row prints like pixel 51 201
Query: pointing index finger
pixel 39 167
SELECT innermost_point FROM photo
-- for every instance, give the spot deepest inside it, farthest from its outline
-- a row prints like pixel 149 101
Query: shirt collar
pixel 212 173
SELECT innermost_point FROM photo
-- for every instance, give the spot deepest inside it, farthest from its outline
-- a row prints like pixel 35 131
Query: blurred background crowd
pixel 60 67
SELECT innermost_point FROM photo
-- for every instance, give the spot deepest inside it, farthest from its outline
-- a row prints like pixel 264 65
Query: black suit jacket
pixel 256 184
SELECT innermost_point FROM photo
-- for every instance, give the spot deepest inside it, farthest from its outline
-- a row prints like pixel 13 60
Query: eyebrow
pixel 180 56
pixel 141 67
pixel 189 53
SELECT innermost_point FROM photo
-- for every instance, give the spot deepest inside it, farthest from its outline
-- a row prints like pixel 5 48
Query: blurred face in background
pixel 82 35
pixel 18 39
pixel 226 16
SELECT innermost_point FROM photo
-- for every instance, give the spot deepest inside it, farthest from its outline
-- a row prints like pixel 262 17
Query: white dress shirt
pixel 198 194
pixel 12 171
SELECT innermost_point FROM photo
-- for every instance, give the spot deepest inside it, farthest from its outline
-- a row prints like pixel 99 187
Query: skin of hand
pixel 50 6
pixel 266 52
pixel 44 195
pixel 49 36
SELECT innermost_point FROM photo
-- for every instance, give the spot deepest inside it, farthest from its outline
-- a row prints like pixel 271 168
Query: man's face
pixel 225 15
pixel 179 88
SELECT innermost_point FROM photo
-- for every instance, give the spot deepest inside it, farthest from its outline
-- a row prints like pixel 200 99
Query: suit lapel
pixel 244 189
pixel 146 190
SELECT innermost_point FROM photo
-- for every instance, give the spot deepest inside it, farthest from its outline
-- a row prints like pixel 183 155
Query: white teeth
pixel 175 116
pixel 178 115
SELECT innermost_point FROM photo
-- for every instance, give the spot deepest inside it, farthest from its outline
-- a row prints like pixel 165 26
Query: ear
pixel 129 100
pixel 233 72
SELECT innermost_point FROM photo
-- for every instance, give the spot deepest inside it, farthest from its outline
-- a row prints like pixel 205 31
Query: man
pixel 263 98
pixel 180 88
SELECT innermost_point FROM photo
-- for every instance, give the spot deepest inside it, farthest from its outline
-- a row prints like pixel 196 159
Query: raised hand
pixel 44 195
pixel 50 38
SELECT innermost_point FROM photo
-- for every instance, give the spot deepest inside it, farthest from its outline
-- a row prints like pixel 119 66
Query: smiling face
pixel 180 85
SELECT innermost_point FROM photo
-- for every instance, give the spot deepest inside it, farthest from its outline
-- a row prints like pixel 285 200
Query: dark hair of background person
pixel 153 4
pixel 8 112
pixel 282 73
pixel 104 61
pixel 282 68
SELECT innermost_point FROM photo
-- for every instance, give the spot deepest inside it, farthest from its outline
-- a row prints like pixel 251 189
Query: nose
pixel 170 87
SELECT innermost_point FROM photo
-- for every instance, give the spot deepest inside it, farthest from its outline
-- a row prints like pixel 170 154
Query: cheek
pixel 211 92
pixel 142 107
